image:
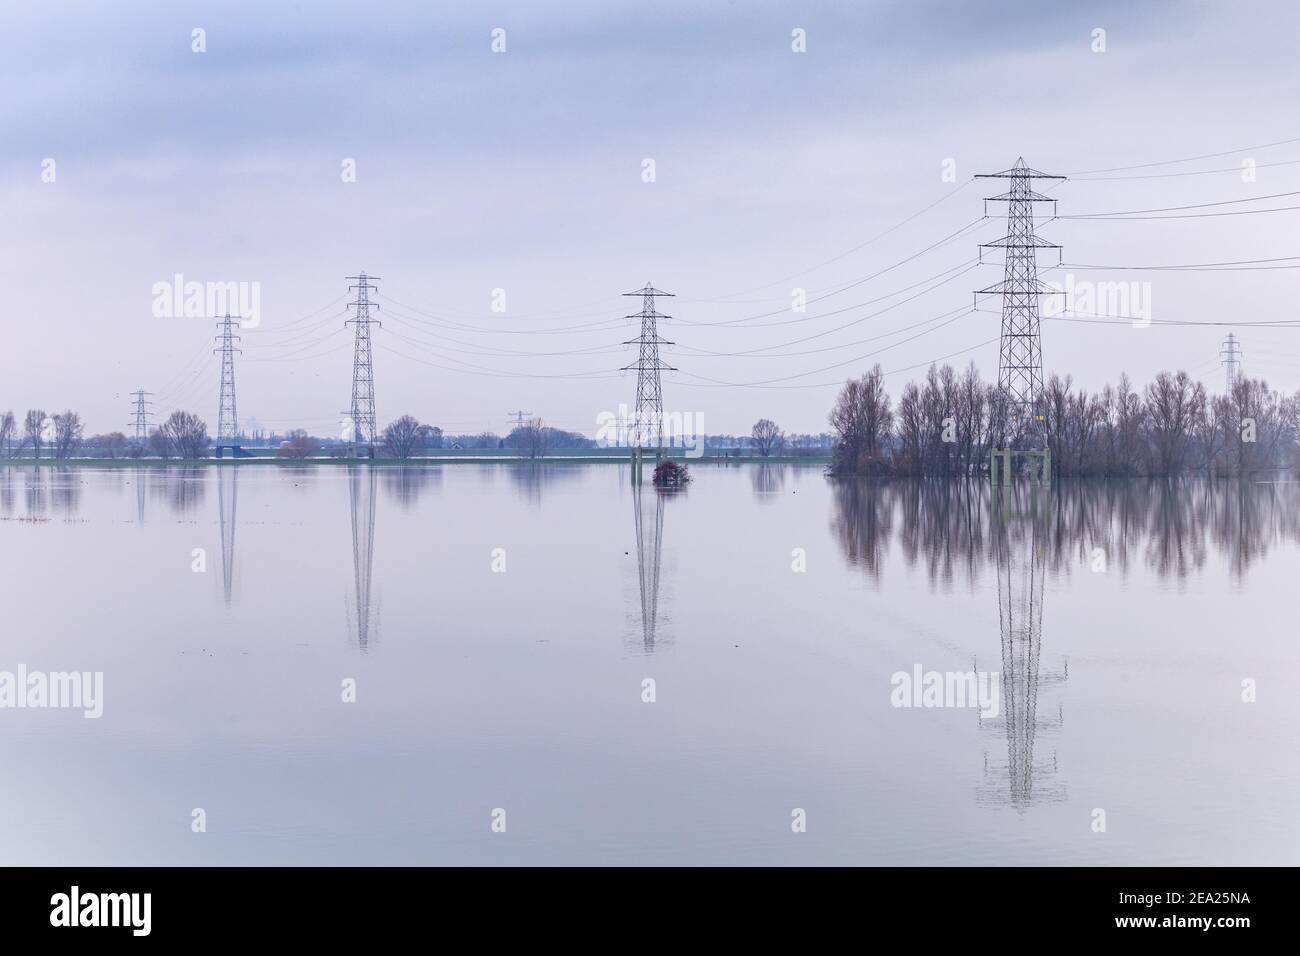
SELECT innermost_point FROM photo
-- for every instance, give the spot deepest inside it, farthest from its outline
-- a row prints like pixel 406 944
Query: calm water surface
pixel 1122 619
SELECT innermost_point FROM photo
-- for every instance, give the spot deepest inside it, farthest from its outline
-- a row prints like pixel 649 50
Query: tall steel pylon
pixel 140 418
pixel 1231 355
pixel 648 419
pixel 362 415
pixel 1020 354
pixel 227 418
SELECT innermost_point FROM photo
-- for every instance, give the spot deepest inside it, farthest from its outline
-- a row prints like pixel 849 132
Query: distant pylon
pixel 1020 354
pixel 141 418
pixel 227 417
pixel 518 417
pixel 364 430
pixel 1231 361
pixel 648 419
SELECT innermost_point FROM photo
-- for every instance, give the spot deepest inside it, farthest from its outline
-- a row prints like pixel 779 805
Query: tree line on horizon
pixel 947 424
pixel 184 435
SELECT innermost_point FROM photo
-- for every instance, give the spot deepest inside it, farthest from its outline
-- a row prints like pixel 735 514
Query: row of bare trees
pixel 61 433
pixel 183 435
pixel 947 424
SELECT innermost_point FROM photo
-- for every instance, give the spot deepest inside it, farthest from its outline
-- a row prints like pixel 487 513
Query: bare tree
pixel 7 428
pixel 67 434
pixel 767 437
pixel 299 445
pixel 946 425
pixel 537 438
pixel 187 435
pixel 113 443
pixel 1175 406
pixel 160 443
pixel 531 439
pixel 34 430
pixel 401 437
pixel 862 422
pixel 430 436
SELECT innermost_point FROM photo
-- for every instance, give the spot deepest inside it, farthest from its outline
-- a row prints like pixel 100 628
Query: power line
pixel 1192 172
pixel 838 383
pixel 1195 215
pixel 462 327
pixel 496 352
pixel 1186 159
pixel 951 237
pixel 946 275
pixel 1203 205
pixel 755 353
pixel 852 361
pixel 730 299
pixel 1176 267
pixel 602 373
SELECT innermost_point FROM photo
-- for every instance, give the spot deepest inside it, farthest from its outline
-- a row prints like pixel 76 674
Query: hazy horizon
pixel 522 171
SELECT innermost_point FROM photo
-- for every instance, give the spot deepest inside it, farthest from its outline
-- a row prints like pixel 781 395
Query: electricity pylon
pixel 1231 362
pixel 227 418
pixel 362 416
pixel 1020 354
pixel 140 420
pixel 648 419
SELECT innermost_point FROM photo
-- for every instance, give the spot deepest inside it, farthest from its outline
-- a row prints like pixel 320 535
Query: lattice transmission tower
pixel 648 419
pixel 1231 355
pixel 227 417
pixel 362 414
pixel 140 418
pixel 1020 354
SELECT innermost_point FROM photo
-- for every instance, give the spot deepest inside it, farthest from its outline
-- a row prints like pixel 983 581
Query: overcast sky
pixel 523 171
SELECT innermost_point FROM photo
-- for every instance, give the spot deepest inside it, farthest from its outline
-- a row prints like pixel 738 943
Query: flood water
pixel 500 622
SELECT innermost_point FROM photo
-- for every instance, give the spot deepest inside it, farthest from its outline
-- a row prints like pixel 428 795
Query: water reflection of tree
pixel 65 490
pixel 532 478
pixel 767 479
pixel 7 490
pixel 183 488
pixel 864 511
pixel 1168 524
pixel 959 528
pixel 34 492
pixel 405 483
